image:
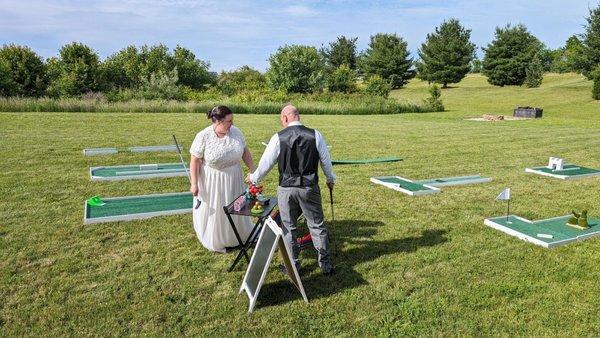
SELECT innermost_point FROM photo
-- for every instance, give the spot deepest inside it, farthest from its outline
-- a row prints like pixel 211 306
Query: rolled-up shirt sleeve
pixel 324 157
pixel 267 160
pixel 198 146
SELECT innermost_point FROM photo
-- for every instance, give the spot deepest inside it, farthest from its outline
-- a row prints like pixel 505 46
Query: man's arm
pixel 267 161
pixel 325 159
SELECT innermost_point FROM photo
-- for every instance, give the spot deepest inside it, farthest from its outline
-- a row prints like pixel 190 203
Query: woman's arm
pixel 247 157
pixel 194 166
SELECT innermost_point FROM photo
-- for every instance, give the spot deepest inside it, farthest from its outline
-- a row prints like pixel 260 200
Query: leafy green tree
pixel 377 86
pixel 75 71
pixel 243 78
pixel 23 71
pixel 446 54
pixel 7 86
pixel 591 41
pixel 342 79
pixel 388 57
pixel 574 55
pixel 296 69
pixel 509 54
pixel 340 52
pixel 534 73
pixel 192 72
pixel 122 69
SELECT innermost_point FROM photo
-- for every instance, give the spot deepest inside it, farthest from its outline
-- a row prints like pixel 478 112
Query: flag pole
pixel 507 210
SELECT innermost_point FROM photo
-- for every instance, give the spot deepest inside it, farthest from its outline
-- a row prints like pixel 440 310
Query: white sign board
pixel 270 239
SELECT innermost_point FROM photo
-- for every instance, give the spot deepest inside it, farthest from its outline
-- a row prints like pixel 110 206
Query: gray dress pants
pixel 294 201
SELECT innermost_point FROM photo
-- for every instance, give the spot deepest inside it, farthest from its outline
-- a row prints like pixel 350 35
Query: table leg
pixel 247 245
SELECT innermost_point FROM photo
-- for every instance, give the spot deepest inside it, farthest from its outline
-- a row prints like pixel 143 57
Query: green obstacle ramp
pixel 137 207
pixel 140 171
pixel 548 233
pixel 373 160
pixel 457 180
pixel 569 171
pixel 405 185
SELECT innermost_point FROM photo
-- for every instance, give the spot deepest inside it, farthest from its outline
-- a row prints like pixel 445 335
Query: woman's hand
pixel 194 190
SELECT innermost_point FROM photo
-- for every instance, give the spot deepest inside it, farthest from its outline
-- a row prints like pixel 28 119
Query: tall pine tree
pixel 340 52
pixel 446 55
pixel 591 41
pixel 388 57
pixel 508 56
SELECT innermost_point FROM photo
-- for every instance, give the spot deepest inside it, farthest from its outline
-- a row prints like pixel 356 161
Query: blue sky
pixel 229 34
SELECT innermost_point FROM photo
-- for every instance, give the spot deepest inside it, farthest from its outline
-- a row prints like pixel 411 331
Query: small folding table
pixel 268 205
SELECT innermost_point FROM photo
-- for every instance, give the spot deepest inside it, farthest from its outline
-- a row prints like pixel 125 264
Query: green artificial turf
pixel 404 266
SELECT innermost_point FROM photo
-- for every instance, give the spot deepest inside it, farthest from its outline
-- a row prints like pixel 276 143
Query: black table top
pixel 268 206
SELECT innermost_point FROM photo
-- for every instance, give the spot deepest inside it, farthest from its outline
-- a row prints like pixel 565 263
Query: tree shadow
pixel 357 236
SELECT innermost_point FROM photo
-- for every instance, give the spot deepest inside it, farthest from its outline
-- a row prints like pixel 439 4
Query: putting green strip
pixel 124 172
pixel 138 207
pixel 569 171
pixel 555 227
pixel 374 160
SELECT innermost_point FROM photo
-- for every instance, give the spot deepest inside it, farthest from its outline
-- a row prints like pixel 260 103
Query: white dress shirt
pixel 269 157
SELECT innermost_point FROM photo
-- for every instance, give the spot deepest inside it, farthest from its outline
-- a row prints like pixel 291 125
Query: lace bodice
pixel 219 153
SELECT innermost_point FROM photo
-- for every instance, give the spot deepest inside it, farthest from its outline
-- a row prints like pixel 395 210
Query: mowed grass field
pixel 405 265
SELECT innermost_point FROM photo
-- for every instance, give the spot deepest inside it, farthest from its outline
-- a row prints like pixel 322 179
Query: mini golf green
pixel 548 233
pixel 425 187
pixel 137 207
pixel 142 171
pixel 569 171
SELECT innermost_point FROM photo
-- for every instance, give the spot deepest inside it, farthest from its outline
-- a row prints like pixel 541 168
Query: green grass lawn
pixel 405 265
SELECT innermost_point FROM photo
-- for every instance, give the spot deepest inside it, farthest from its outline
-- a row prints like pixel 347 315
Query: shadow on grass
pixel 356 236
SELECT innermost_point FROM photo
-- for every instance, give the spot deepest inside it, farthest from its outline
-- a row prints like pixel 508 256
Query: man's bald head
pixel 289 113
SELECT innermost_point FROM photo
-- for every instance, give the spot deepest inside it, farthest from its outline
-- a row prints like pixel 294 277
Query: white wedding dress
pixel 220 181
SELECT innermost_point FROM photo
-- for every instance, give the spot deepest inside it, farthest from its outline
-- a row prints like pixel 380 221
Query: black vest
pixel 298 157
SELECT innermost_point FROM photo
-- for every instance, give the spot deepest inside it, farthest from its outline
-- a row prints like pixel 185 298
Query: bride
pixel 217 179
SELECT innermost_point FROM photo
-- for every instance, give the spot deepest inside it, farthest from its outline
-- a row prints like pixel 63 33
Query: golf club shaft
pixel 185 168
pixel 331 200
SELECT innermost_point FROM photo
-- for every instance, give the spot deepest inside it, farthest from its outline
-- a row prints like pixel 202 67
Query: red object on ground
pixel 304 240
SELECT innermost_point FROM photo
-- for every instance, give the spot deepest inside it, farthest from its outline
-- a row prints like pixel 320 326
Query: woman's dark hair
pixel 218 113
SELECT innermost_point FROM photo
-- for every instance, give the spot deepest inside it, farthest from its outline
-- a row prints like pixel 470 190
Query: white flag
pixel 504 195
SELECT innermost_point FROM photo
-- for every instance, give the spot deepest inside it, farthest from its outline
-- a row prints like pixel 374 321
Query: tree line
pixel 513 57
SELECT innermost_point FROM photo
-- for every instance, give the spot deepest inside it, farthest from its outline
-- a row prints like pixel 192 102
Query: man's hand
pixel 330 185
pixel 194 189
pixel 248 180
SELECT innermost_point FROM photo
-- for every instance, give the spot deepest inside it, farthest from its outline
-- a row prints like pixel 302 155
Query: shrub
pixel 22 71
pixel 342 79
pixel 244 78
pixel 377 86
pixel 434 101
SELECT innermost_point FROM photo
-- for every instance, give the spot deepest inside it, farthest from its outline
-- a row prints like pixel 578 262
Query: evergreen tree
pixel 446 54
pixel 596 87
pixel 340 52
pixel 23 71
pixel 508 56
pixel 388 57
pixel 534 73
pixel 591 41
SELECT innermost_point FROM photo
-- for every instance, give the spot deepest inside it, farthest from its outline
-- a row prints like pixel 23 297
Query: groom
pixel 298 150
